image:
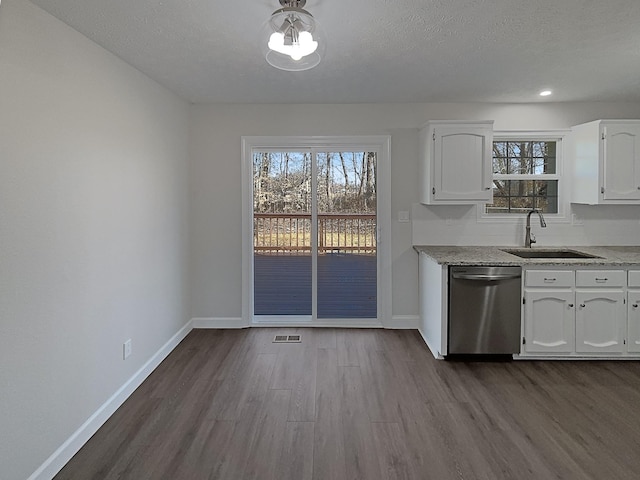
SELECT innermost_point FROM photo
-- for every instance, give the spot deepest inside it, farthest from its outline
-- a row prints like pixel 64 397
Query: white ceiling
pixel 377 50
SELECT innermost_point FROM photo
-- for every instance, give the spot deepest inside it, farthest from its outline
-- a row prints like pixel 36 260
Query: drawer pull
pixel 582 305
pixel 635 305
pixel 601 280
pixel 549 279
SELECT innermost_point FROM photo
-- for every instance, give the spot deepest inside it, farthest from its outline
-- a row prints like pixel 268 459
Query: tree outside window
pixel 525 176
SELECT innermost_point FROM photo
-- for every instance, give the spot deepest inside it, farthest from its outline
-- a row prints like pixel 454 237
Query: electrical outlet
pixel 403 216
pixel 126 349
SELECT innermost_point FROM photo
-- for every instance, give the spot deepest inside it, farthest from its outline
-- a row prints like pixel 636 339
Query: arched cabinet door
pixel 606 162
pixel 456 162
pixel 599 321
pixel 633 306
pixel 621 161
pixel 549 321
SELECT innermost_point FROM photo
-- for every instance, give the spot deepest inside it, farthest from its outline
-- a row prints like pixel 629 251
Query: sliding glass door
pixel 314 235
pixel 346 254
pixel 282 215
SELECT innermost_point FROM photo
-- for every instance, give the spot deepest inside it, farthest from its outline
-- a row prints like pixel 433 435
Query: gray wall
pixel 215 132
pixel 93 229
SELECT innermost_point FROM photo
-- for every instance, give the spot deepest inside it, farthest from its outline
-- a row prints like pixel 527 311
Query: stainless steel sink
pixel 548 253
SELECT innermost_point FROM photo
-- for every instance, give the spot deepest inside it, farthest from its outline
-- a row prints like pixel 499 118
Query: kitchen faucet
pixel 530 238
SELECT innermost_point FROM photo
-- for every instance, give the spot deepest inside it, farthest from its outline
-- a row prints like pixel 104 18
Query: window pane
pixel 500 157
pixel 524 158
pixel 520 196
pixel 282 233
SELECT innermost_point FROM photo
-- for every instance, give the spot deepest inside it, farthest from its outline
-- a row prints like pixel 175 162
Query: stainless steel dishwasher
pixel 484 310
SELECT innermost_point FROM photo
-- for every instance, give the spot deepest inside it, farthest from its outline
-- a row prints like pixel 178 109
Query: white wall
pixel 215 132
pixel 93 229
pixel 595 225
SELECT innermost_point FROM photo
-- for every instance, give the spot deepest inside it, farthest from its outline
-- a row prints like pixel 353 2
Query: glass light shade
pixel 292 40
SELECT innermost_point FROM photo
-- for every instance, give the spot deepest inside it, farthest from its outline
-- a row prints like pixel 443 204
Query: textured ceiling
pixel 377 50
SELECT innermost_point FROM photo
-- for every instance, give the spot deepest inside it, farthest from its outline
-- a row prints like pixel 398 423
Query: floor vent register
pixel 287 339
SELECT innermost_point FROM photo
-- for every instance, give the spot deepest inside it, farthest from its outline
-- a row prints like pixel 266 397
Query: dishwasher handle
pixel 485 277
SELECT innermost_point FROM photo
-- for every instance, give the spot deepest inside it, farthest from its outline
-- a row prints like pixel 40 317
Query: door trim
pixel 379 143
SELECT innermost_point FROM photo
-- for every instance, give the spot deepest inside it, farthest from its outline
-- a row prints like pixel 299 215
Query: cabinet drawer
pixel 600 278
pixel 549 278
pixel 634 278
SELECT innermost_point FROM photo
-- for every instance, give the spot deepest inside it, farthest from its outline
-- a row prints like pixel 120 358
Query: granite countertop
pixel 478 255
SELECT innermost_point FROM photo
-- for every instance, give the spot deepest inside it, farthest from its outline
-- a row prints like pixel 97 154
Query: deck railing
pixel 290 234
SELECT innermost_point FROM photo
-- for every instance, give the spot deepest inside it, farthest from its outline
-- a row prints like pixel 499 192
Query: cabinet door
pixel 621 162
pixel 600 325
pixel 633 319
pixel 462 163
pixel 549 321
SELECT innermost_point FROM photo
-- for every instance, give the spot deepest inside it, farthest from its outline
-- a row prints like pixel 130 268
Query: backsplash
pixel 591 225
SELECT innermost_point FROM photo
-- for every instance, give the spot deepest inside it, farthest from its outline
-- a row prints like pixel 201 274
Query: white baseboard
pixel 218 322
pixel 68 449
pixel 407 322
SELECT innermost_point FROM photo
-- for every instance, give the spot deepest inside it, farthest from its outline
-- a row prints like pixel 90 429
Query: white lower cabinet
pixel 633 306
pixel 633 312
pixel 549 318
pixel 601 316
pixel 550 322
pixel 579 313
pixel 600 321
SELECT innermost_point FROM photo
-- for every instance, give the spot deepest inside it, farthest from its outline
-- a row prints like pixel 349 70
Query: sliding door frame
pixel 381 144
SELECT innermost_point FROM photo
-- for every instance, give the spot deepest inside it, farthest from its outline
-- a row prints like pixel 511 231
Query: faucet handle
pixel 532 238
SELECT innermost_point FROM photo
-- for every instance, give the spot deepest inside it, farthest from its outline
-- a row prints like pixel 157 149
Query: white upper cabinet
pixel 606 162
pixel 456 162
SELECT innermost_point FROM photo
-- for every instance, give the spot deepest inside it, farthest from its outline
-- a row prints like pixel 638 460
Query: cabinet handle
pixel 489 188
pixel 549 279
pixel 571 305
pixel 582 305
pixel 601 279
pixel 635 305
pixel 433 190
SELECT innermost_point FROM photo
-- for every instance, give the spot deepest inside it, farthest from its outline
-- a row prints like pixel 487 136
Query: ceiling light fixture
pixel 545 93
pixel 293 43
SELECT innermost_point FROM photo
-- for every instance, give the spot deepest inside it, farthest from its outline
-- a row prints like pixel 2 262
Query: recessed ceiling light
pixel 545 93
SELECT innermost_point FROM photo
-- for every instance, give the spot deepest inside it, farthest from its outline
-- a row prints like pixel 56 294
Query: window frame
pixel 558 136
pixel 378 143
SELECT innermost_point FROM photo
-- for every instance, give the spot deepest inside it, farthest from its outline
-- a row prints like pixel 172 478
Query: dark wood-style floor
pixel 365 404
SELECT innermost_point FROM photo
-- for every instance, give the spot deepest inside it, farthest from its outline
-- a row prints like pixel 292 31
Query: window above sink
pixel 525 176
pixel 528 173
